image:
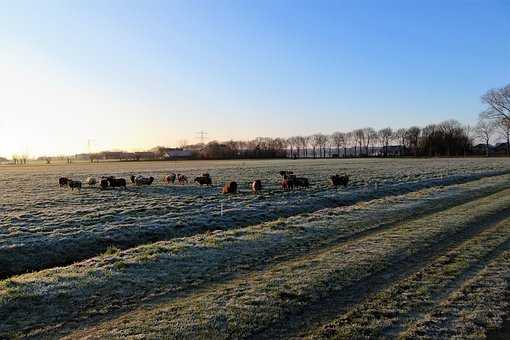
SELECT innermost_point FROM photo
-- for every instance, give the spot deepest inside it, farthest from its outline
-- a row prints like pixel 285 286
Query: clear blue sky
pixel 134 74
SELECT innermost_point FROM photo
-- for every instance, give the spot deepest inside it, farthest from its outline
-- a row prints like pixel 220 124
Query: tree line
pixel 448 138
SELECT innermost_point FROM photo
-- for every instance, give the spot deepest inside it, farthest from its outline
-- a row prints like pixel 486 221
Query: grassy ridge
pixel 119 280
pixel 267 300
pixel 389 311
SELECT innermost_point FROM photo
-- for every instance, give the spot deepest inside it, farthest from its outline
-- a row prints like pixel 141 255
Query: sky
pixel 94 75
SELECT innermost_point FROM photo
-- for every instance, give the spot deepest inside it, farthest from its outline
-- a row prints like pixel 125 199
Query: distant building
pixel 500 148
pixel 144 155
pixel 481 149
pixel 111 155
pixel 176 153
pixel 82 156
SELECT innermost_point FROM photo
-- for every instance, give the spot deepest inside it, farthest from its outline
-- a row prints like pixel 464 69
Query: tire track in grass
pixel 475 310
pixel 261 304
pixel 37 252
pixel 389 311
pixel 100 288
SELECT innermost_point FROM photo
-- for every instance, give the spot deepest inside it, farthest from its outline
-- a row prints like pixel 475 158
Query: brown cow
pixel 170 178
pixel 230 188
pixel 256 185
pixel 291 181
pixel 288 183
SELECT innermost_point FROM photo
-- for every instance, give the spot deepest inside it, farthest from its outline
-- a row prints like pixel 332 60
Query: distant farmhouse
pixel 480 149
pixel 158 153
pixel 500 148
pixel 175 153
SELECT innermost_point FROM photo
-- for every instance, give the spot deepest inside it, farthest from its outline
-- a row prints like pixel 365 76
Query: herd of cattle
pixel 289 182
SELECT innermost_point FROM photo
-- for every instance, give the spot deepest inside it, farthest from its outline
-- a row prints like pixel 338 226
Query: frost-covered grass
pixel 42 225
pixel 267 299
pixel 479 305
pixel 387 313
pixel 121 280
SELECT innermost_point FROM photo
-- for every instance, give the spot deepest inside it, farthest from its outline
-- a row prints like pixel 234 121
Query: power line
pixel 202 136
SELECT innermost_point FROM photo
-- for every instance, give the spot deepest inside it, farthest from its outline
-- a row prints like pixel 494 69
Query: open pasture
pixel 379 258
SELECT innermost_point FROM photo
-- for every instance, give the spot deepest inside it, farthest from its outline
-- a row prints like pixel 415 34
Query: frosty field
pixel 411 248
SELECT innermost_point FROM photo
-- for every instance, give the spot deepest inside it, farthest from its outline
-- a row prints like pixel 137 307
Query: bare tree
pixel 503 128
pixel 242 147
pixel 412 136
pixel 450 129
pixel 469 131
pixel 316 141
pixel 359 136
pixel 338 140
pixel 401 136
pixel 370 137
pixel 348 140
pixel 307 140
pixel 385 136
pixel 290 145
pixel 498 101
pixel 323 141
pixel 485 130
pixel 232 146
pixel 301 144
pixel 304 141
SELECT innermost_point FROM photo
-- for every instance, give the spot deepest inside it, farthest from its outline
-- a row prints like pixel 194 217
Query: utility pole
pixel 89 150
pixel 89 145
pixel 202 136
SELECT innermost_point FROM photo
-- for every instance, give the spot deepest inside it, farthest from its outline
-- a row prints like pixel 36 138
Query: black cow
pixel 204 180
pixel 337 180
pixel 116 182
pixel 74 184
pixel 62 181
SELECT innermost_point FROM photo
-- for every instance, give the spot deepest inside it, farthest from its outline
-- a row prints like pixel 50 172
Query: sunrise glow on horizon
pixel 76 76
